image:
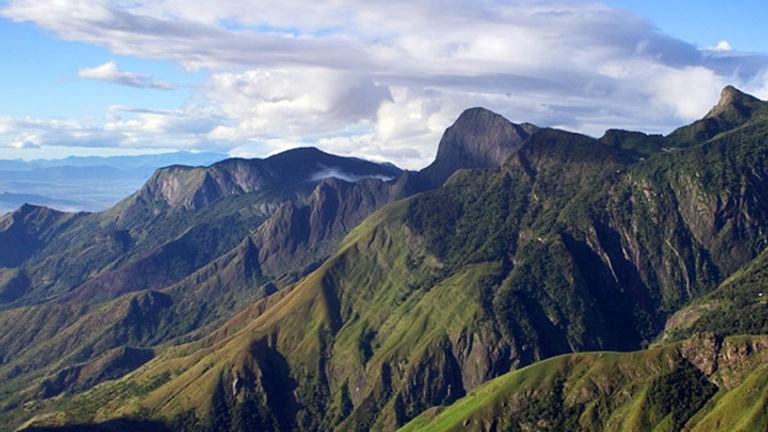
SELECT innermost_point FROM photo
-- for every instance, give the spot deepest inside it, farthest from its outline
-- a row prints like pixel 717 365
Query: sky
pixel 380 80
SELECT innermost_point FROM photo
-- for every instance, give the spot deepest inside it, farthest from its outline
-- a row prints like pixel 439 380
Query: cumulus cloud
pixel 383 80
pixel 110 73
pixel 293 101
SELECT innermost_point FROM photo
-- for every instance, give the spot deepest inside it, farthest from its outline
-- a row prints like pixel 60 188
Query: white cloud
pixel 723 45
pixel 33 133
pixel 690 91
pixel 5 125
pixel 22 145
pixel 759 86
pixel 383 80
pixel 110 73
pixel 184 128
pixel 348 177
pixel 292 102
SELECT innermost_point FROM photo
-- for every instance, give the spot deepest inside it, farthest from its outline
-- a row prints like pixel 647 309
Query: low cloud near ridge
pixel 382 81
pixel 347 177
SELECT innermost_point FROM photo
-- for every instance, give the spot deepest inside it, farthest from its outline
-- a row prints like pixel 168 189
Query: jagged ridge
pixel 529 256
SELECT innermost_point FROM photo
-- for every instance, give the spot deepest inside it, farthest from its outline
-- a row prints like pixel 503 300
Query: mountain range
pixel 79 183
pixel 529 279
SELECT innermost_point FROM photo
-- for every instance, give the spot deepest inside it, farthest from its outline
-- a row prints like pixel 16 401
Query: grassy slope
pixel 521 254
pixel 657 389
pixel 507 254
pixel 383 277
pixel 320 307
pixel 200 288
pixel 147 318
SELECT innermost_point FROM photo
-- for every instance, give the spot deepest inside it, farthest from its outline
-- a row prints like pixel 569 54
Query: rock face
pixel 702 351
pixel 478 139
pixel 736 104
pixel 297 235
pixel 726 361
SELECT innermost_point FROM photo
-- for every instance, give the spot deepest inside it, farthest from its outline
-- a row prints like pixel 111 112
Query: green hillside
pixel 738 306
pixel 683 386
pixel 498 299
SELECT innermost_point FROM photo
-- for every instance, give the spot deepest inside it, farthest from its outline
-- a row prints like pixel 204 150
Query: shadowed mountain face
pixel 307 291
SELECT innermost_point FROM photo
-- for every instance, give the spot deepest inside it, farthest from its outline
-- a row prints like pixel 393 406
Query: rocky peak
pixel 479 138
pixel 734 109
pixel 729 94
pixel 734 102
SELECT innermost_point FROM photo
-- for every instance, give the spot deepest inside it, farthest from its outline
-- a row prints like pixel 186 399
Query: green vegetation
pixel 637 144
pixel 657 389
pixel 478 305
pixel 738 306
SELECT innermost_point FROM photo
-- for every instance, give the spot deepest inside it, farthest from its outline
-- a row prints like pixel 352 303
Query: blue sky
pixel 707 22
pixel 40 77
pixel 251 78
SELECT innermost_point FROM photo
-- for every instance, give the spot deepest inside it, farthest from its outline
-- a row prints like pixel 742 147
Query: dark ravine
pixel 280 302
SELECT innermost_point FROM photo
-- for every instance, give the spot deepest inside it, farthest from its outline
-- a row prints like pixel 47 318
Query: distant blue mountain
pixel 139 161
pixel 10 201
pixel 123 162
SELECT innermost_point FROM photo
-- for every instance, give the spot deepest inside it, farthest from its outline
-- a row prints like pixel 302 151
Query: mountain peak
pixel 734 109
pixel 730 93
pixel 296 169
pixel 27 209
pixel 479 138
pixel 734 102
pixel 475 114
pixel 299 153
